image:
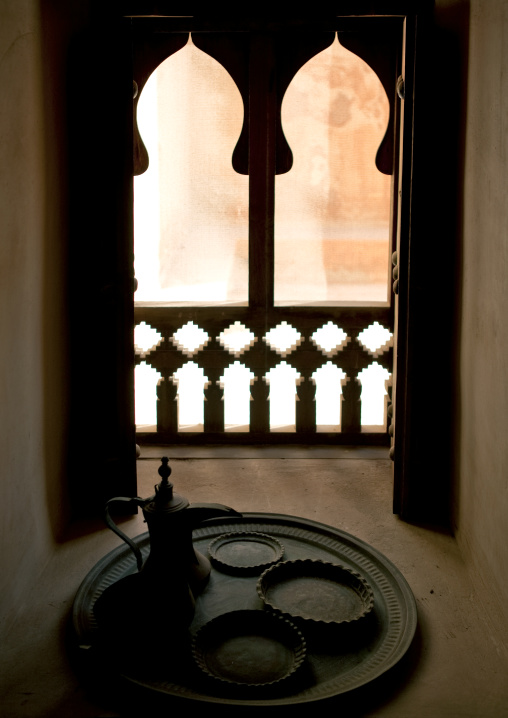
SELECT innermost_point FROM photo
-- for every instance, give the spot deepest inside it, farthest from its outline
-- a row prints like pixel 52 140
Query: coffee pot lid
pixel 164 500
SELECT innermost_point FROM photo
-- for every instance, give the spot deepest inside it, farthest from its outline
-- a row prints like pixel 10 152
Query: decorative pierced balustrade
pixel 306 355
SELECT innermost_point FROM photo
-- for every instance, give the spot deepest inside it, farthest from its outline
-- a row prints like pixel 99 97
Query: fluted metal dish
pixel 244 552
pixel 316 591
pixel 249 648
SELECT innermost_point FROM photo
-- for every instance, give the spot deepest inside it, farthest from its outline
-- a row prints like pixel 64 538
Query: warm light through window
pixel 332 208
pixel 190 206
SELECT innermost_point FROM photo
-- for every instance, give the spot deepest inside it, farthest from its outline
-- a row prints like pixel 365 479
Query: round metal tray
pixel 333 666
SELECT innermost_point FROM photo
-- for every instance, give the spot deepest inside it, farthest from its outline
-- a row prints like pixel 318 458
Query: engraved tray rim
pixel 394 602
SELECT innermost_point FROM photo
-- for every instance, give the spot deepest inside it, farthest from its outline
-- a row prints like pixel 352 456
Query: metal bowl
pixel 249 648
pixel 245 552
pixel 317 591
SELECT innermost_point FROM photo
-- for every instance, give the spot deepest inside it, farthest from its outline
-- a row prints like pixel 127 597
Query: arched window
pixel 190 206
pixel 263 204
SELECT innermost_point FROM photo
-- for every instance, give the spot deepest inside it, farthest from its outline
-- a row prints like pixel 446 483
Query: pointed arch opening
pixel 190 206
pixel 332 209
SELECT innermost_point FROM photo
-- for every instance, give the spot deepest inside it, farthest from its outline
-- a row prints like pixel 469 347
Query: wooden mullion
pixel 262 124
pixel 306 405
pixel 351 405
pixel 258 360
pixel 259 407
pixel 213 359
pixel 214 403
pixel 353 358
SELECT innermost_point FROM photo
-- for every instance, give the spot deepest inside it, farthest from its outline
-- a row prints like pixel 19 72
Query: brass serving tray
pixel 333 666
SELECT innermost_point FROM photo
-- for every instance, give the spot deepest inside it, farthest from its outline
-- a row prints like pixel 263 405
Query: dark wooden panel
pixel 101 265
pixel 268 438
pixel 304 317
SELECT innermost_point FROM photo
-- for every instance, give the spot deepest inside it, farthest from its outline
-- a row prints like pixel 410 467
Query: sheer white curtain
pixel 332 209
pixel 190 206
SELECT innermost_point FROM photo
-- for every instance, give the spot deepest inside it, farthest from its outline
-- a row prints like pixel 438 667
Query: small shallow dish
pixel 245 552
pixel 317 591
pixel 249 648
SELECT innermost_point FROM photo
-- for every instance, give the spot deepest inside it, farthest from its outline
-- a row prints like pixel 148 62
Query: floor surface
pixel 455 667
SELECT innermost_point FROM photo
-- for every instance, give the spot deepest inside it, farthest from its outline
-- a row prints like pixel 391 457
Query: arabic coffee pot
pixel 174 572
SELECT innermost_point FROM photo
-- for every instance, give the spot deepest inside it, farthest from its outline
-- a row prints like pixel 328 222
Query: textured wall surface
pixel 32 316
pixel 481 513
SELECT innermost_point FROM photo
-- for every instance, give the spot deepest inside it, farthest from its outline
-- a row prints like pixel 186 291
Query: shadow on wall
pixel 453 27
pixel 60 25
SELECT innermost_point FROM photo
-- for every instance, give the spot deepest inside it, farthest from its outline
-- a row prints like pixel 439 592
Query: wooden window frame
pixel 102 445
pixel 270 50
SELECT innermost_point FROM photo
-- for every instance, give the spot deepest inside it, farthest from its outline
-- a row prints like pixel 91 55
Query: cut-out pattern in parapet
pixel 283 339
pixel 329 379
pixel 146 339
pixel 374 380
pixel 190 339
pixel 376 339
pixel 236 338
pixel 330 339
pixel 282 381
pixel 191 382
pixel 236 382
pixel 146 379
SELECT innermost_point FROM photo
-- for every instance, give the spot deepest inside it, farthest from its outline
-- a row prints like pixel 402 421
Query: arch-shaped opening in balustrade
pixel 329 379
pixel 374 397
pixel 236 383
pixel 146 379
pixel 282 380
pixel 191 381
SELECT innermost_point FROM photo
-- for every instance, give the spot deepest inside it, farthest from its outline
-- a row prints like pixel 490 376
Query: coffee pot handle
pixel 111 524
